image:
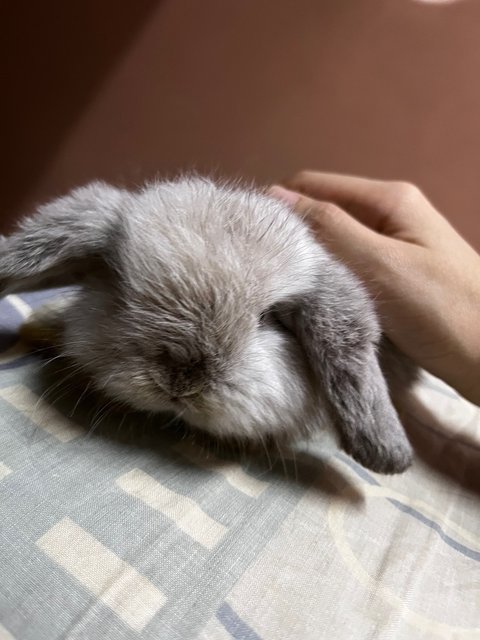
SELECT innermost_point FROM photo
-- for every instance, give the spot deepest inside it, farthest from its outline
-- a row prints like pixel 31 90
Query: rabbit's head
pixel 215 303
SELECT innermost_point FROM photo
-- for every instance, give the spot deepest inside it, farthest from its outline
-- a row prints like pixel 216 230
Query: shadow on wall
pixel 55 56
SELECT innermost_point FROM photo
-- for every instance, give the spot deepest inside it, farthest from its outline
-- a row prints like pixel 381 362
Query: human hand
pixel 423 276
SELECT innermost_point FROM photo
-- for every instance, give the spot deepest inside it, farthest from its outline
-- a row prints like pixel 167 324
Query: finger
pixel 335 186
pixel 387 207
pixel 332 225
pixel 360 196
pixel 374 257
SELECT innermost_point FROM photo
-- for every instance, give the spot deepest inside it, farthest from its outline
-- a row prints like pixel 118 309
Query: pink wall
pixel 258 88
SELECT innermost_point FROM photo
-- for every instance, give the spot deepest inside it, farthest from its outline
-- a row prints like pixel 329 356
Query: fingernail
pixel 285 195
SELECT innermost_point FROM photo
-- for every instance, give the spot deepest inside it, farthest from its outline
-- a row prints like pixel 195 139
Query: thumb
pixel 332 225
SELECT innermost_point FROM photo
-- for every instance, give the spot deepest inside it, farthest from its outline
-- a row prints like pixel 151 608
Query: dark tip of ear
pixel 379 458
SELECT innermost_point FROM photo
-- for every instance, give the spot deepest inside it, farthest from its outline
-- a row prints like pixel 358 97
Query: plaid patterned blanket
pixel 122 527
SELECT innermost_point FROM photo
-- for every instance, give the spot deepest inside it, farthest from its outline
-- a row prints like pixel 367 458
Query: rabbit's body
pixel 215 303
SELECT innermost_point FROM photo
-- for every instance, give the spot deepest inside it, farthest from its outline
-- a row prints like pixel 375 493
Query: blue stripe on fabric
pixel 37 298
pixel 458 546
pixel 235 626
pixel 19 362
pixel 431 524
pixel 10 320
pixel 360 471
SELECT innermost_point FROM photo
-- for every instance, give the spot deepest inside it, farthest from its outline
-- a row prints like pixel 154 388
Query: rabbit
pixel 215 302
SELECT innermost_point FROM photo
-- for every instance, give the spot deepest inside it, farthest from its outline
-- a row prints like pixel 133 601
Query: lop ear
pixel 64 241
pixel 338 331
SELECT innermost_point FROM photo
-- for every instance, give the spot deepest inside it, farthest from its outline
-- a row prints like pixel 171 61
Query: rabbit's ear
pixel 64 241
pixel 338 335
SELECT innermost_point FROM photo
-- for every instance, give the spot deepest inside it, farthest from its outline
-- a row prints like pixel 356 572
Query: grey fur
pixel 214 302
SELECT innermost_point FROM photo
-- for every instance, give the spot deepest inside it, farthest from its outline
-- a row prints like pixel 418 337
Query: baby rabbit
pixel 214 302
